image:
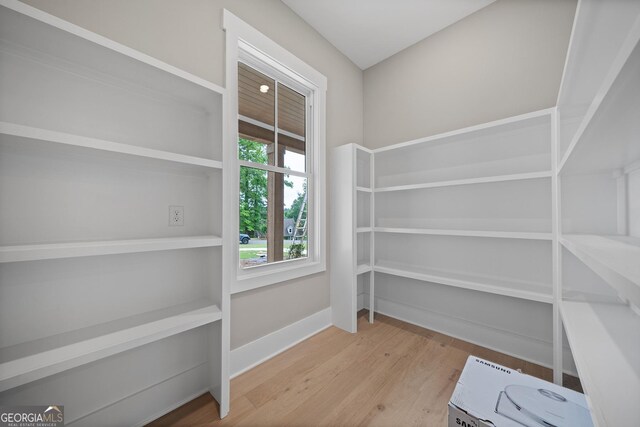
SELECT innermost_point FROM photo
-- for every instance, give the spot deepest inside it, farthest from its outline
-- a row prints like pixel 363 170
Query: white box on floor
pixel 488 394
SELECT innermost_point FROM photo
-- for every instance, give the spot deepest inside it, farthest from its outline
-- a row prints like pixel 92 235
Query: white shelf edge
pixel 363 148
pixel 617 271
pixel 97 39
pixel 70 140
pixel 33 367
pixel 632 167
pixel 587 348
pixel 363 268
pixel 465 284
pixel 363 229
pixel 570 51
pixel 469 181
pixel 495 123
pixel 364 189
pixel 467 233
pixel 19 253
pixel 615 69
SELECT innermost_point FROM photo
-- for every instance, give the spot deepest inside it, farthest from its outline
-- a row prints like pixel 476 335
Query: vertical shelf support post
pixel 372 236
pixel 556 251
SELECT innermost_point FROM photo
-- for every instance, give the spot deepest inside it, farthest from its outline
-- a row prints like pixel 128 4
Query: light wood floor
pixel 388 374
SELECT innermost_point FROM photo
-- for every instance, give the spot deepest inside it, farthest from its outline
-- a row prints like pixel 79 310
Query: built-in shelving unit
pixel 98 144
pixel 445 203
pixel 599 174
pixel 351 260
pixel 469 210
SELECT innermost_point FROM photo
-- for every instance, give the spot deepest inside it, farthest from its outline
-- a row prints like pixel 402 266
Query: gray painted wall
pixel 188 35
pixel 504 60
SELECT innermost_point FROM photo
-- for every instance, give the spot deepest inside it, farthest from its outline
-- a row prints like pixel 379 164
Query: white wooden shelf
pixel 605 139
pixel 531 119
pixel 605 342
pixel 363 268
pixel 363 229
pixel 467 233
pixel 33 26
pixel 596 76
pixel 494 285
pixel 22 136
pixel 38 359
pixel 105 247
pixel 471 172
pixel 614 258
pixel 364 189
pixel 470 181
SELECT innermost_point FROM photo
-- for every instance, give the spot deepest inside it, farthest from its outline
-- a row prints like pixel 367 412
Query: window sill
pixel 266 276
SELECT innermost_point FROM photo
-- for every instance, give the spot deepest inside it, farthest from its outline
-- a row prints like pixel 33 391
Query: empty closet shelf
pixel 363 268
pixel 467 233
pixel 30 361
pixel 364 189
pixel 467 181
pixel 44 141
pixel 605 343
pixel 104 247
pixel 614 258
pixel 495 285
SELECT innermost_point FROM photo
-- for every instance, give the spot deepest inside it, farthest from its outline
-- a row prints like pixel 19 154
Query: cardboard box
pixel 488 394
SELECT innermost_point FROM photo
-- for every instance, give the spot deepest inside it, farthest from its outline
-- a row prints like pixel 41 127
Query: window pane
pixel 253 216
pixel 292 127
pixel 252 151
pixel 295 217
pixel 256 115
pixel 271 226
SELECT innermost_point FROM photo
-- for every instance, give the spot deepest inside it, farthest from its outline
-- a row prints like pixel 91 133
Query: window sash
pixel 270 168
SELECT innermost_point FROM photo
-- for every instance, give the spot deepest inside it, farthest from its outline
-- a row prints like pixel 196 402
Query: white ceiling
pixel 368 31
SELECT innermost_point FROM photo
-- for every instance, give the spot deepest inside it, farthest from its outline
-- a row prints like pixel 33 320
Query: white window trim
pixel 243 39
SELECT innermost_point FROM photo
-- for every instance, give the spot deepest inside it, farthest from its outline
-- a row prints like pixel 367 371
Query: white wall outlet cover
pixel 176 215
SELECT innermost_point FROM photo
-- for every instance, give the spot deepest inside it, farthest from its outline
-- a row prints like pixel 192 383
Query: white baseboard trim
pixel 256 352
pixel 171 408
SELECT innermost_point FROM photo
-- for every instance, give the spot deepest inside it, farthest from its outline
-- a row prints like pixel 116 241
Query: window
pixel 272 147
pixel 276 143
